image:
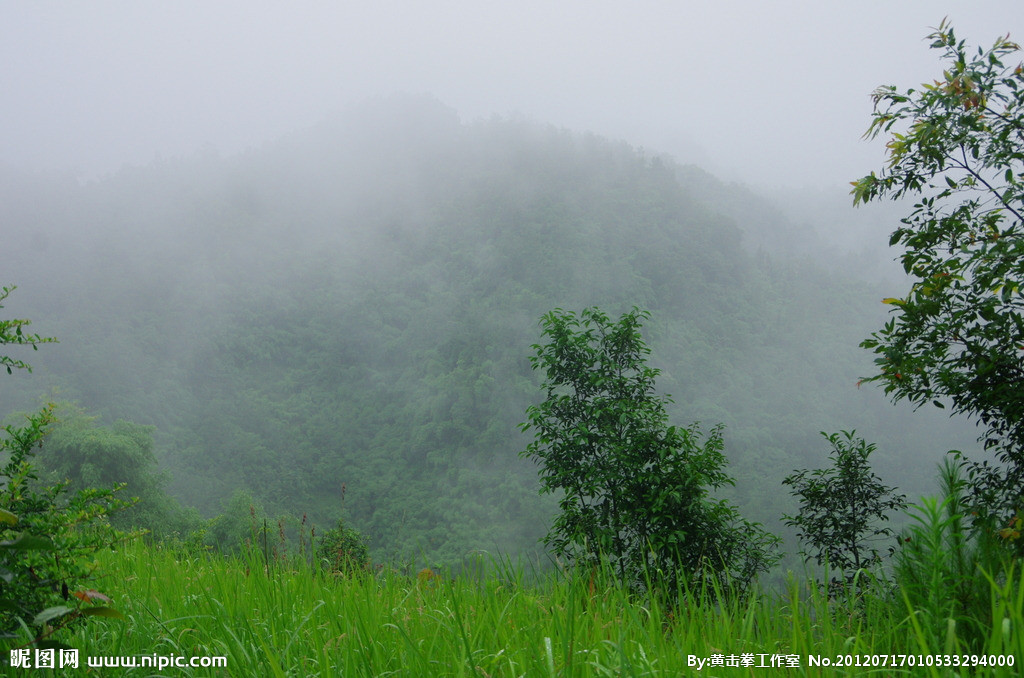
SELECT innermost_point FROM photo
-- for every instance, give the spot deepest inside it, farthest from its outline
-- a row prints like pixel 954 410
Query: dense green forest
pixel 339 323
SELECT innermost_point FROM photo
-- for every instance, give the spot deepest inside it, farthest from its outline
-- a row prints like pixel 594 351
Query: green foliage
pixel 632 488
pixel 342 549
pixel 945 569
pixel 47 536
pixel 957 144
pixel 842 508
pixel 79 450
pixel 937 563
pixel 12 333
pixel 238 524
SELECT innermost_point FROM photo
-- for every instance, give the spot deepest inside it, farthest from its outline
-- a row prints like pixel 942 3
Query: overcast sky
pixel 770 92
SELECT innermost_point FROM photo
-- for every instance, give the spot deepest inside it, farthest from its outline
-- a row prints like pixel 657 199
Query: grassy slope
pixel 293 623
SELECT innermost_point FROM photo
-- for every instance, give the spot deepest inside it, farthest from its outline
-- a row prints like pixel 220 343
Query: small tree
pixel 842 508
pixel 957 144
pixel 634 489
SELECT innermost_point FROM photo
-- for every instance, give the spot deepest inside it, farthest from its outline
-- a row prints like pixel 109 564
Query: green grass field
pixel 291 621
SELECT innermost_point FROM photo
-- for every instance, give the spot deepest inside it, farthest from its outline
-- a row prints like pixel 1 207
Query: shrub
pixel 342 549
pixel 842 508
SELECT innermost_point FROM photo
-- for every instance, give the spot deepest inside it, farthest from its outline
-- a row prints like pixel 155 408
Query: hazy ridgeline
pixel 356 303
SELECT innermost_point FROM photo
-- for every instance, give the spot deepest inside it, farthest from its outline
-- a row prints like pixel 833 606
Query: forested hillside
pixel 353 306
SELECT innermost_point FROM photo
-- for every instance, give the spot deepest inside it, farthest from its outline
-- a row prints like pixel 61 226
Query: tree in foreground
pixel 957 146
pixel 843 508
pixel 47 537
pixel 634 490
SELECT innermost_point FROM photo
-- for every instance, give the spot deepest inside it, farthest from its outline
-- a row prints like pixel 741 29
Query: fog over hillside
pixel 354 303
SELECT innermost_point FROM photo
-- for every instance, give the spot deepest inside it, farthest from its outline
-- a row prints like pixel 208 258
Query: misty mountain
pixel 355 304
